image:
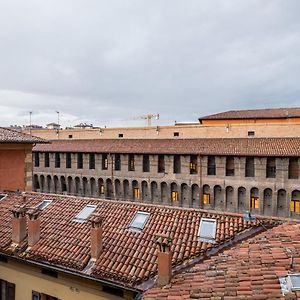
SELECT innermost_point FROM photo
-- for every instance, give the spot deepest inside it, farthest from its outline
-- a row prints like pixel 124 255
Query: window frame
pixel 79 219
pixel 135 228
pixel 204 238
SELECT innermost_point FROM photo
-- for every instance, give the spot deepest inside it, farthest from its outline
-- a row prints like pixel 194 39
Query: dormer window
pixel 85 213
pixel 207 230
pixel 43 204
pixel 139 221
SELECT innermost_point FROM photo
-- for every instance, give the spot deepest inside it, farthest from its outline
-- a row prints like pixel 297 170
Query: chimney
pixel 18 224
pixel 164 260
pixel 96 236
pixel 34 226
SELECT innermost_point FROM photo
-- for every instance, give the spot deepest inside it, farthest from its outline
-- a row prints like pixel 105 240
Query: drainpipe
pixel 200 182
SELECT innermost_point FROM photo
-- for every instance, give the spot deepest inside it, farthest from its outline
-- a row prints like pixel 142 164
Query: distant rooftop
pixel 267 113
pixel 14 136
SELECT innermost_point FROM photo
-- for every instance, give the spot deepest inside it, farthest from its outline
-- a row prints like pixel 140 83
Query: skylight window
pixel 139 220
pixel 85 213
pixel 207 230
pixel 293 281
pixel 43 204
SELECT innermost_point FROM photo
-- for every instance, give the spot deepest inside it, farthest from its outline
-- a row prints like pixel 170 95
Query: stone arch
pixel 145 191
pixel 56 184
pixel 164 192
pixel 267 204
pixel 93 187
pixel 230 204
pixel 218 197
pixel 242 202
pixel 126 189
pixel 63 184
pixel 36 184
pixel 195 195
pixel 295 203
pixel 42 182
pixel 77 186
pixel 101 188
pixel 71 188
pixel 85 189
pixel 118 189
pixel 109 189
pixel 281 203
pixel 184 195
pixel 136 193
pixel 254 199
pixel 207 197
pixel 174 193
pixel 49 183
pixel 154 191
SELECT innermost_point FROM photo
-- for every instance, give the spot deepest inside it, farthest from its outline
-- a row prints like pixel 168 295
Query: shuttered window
pixel 229 166
pixel 293 168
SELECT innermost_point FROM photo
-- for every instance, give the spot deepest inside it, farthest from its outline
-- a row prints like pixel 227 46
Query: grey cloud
pixel 105 62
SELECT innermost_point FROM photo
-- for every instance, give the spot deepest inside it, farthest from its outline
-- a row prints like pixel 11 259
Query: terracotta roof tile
pixel 281 147
pixel 247 270
pixel 13 136
pixel 267 113
pixel 128 257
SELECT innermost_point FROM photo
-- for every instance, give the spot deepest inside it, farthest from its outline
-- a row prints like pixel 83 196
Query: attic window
pixel 121 135
pixel 139 220
pixel 207 230
pixel 85 213
pixel 176 133
pixel 43 204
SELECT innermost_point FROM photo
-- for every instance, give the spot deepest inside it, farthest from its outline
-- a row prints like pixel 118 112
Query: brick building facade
pixel 236 175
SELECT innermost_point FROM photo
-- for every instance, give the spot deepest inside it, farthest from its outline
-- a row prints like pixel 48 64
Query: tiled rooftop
pixel 13 136
pixel 283 147
pixel 268 113
pixel 249 270
pixel 128 257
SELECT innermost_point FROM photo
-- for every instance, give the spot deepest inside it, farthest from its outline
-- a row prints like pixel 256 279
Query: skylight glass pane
pixel 139 220
pixel 207 229
pixel 2 196
pixel 295 280
pixel 44 204
pixel 85 213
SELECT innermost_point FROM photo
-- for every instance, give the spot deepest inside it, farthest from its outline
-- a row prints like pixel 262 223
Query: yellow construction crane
pixel 148 117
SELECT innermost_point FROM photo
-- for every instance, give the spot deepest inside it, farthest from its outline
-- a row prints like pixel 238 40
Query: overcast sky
pixel 109 62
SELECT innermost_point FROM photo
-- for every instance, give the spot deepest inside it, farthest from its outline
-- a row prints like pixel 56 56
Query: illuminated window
pixel 254 202
pixel 193 164
pixel 136 193
pixel 206 198
pixel 101 189
pixel 174 196
pixel 295 206
pixel 104 161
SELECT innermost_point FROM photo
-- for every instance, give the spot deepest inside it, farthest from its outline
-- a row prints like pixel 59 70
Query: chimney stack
pixel 164 260
pixel 34 226
pixel 96 236
pixel 18 224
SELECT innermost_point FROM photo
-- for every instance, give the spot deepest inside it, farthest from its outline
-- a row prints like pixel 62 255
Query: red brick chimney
pixel 96 236
pixel 164 260
pixel 18 224
pixel 34 226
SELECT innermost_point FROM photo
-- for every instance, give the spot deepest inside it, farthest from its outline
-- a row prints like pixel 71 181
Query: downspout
pixel 200 181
